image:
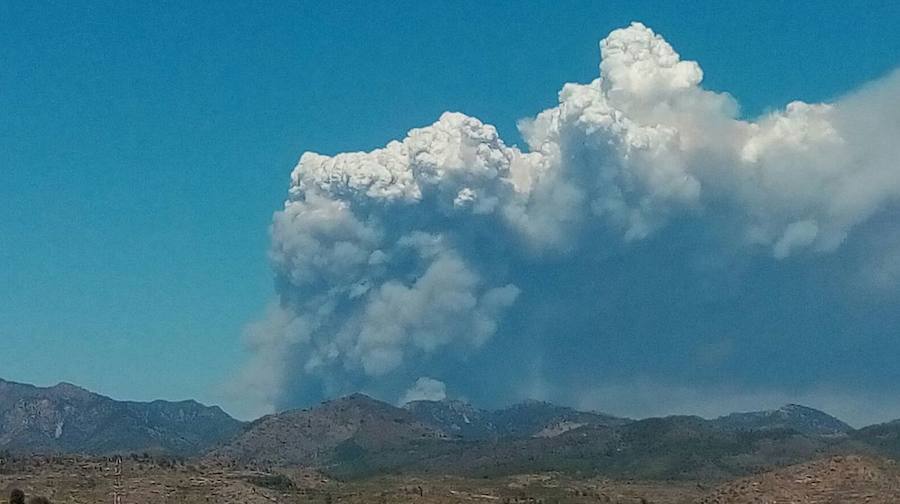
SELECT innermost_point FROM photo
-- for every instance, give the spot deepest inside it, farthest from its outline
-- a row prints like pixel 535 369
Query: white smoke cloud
pixel 392 259
pixel 425 389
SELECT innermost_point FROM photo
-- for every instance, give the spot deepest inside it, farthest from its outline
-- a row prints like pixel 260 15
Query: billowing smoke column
pixel 398 265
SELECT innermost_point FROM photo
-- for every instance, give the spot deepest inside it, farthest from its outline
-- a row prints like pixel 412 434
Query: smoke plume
pixel 647 233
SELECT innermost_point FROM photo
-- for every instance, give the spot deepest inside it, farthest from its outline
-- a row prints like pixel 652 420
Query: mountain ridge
pixel 66 418
pixel 357 435
pixel 319 435
pixel 793 416
pixel 453 437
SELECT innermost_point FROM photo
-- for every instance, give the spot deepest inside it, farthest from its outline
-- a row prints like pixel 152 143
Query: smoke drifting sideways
pixel 648 233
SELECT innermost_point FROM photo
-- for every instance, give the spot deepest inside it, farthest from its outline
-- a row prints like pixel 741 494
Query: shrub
pixel 277 482
pixel 17 497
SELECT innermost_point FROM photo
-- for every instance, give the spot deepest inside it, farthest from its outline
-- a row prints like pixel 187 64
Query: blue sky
pixel 145 146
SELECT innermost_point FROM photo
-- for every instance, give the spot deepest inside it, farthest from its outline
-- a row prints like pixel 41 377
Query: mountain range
pixel 69 419
pixel 357 436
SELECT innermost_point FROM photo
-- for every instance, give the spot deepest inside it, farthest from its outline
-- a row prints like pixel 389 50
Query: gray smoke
pixel 413 259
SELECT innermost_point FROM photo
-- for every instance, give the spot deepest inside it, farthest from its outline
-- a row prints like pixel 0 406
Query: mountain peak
pixel 69 389
pixel 335 431
pixel 797 408
pixel 797 417
pixel 531 402
pixel 66 418
pixel 358 397
pixel 455 404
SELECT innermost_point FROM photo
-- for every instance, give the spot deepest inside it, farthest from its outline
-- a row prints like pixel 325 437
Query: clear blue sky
pixel 145 145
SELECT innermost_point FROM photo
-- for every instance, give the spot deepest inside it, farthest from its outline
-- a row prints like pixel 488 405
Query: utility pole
pixel 117 487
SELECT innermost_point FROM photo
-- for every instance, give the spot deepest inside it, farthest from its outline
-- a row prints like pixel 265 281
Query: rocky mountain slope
pixel 331 434
pixel 792 416
pixel 671 448
pixel 69 419
pixel 358 436
pixel 542 419
pixel 526 419
pixel 836 480
pixel 456 418
pixel 882 439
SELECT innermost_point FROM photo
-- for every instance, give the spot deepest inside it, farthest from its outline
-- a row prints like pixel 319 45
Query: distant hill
pixel 792 416
pixel 70 419
pixel 526 419
pixel 333 433
pixel 670 448
pixel 358 436
pixel 543 419
pixel 883 439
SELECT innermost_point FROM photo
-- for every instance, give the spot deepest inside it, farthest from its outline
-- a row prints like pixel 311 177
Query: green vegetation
pixel 277 482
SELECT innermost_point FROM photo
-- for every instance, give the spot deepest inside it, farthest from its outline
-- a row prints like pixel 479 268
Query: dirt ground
pixel 145 481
